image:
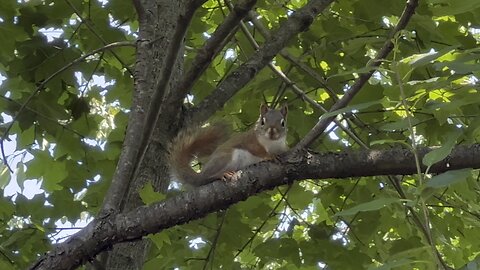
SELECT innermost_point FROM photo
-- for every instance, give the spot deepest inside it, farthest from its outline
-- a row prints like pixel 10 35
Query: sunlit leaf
pixel 149 196
pixel 442 152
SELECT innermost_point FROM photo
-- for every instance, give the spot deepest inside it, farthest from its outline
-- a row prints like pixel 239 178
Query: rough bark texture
pixel 121 220
pixel 158 23
pixel 105 231
pixel 211 48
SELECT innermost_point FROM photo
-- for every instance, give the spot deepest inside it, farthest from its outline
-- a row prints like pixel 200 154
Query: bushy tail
pixel 194 143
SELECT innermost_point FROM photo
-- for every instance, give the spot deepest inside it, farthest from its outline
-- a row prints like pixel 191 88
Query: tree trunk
pixel 158 22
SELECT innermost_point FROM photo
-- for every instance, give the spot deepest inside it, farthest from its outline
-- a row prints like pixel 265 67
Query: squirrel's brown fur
pixel 226 154
pixel 195 143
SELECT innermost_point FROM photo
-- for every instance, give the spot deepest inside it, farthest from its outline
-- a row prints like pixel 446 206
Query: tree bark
pixel 121 219
pixel 158 24
pixel 101 233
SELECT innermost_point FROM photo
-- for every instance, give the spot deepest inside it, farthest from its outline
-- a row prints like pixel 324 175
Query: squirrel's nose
pixel 272 132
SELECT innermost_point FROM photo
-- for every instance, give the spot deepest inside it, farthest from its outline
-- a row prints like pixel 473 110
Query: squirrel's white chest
pixel 274 147
pixel 241 159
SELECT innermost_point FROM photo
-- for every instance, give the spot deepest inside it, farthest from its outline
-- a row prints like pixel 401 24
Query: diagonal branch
pixel 297 89
pixel 252 16
pixel 299 21
pixel 357 86
pixel 110 229
pixel 212 47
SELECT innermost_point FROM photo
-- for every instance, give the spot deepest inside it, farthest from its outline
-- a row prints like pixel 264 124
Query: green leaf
pixel 322 212
pixel 148 195
pixel 418 60
pixel 381 142
pixel 36 167
pixel 369 206
pixel 441 153
pixel 449 178
pixel 26 138
pixel 7 209
pixel 160 239
pixel 20 175
pixel 400 125
pixel 279 249
pixel 54 174
pixel 394 264
pixel 472 265
pixel 356 107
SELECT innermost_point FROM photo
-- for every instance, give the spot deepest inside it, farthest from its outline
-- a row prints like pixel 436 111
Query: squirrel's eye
pixel 262 122
pixel 282 122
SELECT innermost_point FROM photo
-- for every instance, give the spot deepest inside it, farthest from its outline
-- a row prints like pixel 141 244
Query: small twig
pixel 477 215
pixel 92 29
pixel 4 157
pixel 12 263
pixel 257 231
pixel 363 78
pixel 92 73
pixel 44 116
pixel 417 220
pixel 424 210
pixel 215 240
pixel 252 16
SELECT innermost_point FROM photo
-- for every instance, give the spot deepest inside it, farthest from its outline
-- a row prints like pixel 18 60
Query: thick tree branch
pixel 299 21
pixel 144 125
pixel 139 9
pixel 363 78
pixel 110 229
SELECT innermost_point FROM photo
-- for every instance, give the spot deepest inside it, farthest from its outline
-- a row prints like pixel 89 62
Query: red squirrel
pixel 226 155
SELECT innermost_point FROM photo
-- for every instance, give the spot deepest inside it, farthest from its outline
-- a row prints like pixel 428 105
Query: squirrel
pixel 226 155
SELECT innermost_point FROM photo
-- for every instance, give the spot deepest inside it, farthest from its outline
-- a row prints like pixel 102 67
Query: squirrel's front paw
pixel 231 176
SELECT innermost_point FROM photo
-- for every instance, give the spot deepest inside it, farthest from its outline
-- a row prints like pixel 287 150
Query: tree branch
pixel 295 87
pixel 299 21
pixel 101 233
pixel 357 86
pixel 132 156
pixel 252 16
pixel 211 48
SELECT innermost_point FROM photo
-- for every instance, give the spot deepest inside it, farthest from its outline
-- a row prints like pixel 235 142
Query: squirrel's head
pixel 272 124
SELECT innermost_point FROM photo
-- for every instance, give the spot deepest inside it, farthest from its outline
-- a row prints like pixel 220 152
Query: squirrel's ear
pixel 284 110
pixel 263 109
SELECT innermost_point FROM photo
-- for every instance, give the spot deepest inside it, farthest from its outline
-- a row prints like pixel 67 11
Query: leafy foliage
pixel 68 129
